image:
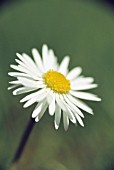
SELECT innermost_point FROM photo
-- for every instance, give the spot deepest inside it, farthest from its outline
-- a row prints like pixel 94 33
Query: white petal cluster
pixel 29 79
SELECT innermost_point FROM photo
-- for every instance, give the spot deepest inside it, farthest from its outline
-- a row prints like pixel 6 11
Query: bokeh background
pixel 85 31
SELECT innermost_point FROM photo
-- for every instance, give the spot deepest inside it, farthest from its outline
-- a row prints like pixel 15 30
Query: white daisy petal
pixel 53 64
pixel 52 106
pixel 42 112
pixel 31 83
pixel 36 119
pixel 20 57
pixel 28 62
pixel 63 68
pixel 80 104
pixel 37 109
pixel 49 59
pixel 50 96
pixel 17 74
pixel 60 102
pixel 26 71
pixel 37 59
pixel 23 67
pixel 42 96
pixel 85 95
pixel 15 67
pixel 45 56
pixel 83 87
pixel 79 120
pixel 15 82
pixel 34 75
pixel 73 107
pixel 32 95
pixel 74 73
pixel 65 121
pixel 57 116
pixel 81 80
pixel 30 102
pixel 22 64
pixel 71 116
pixel 22 90
pixel 13 86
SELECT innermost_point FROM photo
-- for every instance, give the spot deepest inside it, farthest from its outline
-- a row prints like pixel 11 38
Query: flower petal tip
pixel 21 101
pixel 14 93
pixel 25 105
pixel 98 99
pixel 33 116
pixel 91 112
pixel 36 119
pixel 82 125
pixel 56 126
pixel 34 50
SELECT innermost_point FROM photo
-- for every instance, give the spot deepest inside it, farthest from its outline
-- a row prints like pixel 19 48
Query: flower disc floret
pixel 56 81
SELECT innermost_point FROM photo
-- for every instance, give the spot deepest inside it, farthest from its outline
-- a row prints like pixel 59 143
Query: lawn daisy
pixel 52 87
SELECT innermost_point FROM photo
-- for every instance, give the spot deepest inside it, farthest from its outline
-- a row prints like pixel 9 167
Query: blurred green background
pixel 85 31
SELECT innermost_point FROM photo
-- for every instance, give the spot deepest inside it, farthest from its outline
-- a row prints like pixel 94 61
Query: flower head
pixel 52 87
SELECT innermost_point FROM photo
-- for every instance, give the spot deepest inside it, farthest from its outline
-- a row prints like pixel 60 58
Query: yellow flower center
pixel 56 81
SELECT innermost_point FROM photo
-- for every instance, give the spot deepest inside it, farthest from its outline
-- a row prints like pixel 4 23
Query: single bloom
pixel 51 86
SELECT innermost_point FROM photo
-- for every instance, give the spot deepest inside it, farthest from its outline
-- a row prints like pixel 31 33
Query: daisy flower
pixel 51 86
